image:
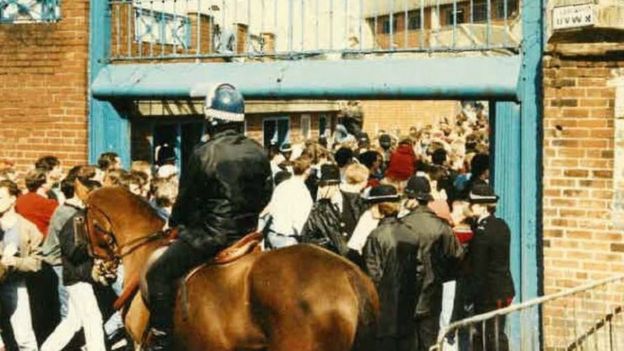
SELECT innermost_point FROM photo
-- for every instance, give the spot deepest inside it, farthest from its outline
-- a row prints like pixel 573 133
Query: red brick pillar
pixel 241 31
pixel 581 239
pixel 269 42
pixel 122 29
pixel 205 22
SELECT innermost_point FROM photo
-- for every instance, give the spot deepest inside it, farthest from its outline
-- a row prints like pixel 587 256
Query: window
pixel 480 11
pixel 414 21
pixel 275 131
pixel 179 137
pixel 29 11
pixel 305 126
pixel 460 16
pixel 385 29
pixel 499 8
pixel 325 126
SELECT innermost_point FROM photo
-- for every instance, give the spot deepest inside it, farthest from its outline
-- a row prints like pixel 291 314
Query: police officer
pixel 225 187
pixel 491 277
pixel 439 253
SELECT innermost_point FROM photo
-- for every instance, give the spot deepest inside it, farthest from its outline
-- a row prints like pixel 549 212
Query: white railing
pixel 28 11
pixel 174 29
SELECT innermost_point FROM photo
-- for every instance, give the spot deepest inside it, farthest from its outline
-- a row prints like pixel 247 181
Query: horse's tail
pixel 368 311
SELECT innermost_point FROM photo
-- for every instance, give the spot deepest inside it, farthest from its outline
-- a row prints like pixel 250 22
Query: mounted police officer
pixel 225 187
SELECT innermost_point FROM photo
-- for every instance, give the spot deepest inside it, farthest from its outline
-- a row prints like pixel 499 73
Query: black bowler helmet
pixel 224 103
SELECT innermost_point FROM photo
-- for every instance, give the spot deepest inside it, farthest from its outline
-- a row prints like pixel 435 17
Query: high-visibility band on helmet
pixel 224 115
pixel 482 199
pixel 382 198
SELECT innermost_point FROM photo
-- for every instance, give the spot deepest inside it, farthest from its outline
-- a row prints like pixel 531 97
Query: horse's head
pixel 101 234
pixel 119 222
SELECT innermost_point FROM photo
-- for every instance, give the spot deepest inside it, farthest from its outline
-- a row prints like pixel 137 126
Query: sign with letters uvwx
pixel 573 16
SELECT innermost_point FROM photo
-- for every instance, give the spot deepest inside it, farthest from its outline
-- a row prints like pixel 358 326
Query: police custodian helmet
pixel 224 103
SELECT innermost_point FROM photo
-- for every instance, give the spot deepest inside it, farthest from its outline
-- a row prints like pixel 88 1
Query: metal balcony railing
pixel 29 11
pixel 288 29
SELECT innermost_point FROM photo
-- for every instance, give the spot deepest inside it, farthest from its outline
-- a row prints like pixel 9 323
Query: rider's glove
pixel 104 272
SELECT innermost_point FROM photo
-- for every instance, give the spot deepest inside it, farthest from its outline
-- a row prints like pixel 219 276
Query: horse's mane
pixel 116 198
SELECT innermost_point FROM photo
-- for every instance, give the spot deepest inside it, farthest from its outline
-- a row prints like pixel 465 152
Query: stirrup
pixel 157 340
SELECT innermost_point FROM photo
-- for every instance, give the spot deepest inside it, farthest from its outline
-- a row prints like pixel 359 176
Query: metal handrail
pixel 521 306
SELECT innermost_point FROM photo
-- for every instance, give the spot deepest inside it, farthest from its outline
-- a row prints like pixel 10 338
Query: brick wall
pixel 399 114
pixel 580 240
pixel 43 85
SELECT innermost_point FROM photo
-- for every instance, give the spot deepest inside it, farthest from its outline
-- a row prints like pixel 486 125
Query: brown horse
pixel 299 298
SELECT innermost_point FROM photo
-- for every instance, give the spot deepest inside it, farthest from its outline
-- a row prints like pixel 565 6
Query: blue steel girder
pixel 440 78
pixel 108 131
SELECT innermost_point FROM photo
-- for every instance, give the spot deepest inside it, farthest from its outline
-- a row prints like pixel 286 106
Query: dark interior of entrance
pixel 149 138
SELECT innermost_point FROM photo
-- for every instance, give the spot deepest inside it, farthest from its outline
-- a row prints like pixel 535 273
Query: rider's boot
pixel 119 340
pixel 159 335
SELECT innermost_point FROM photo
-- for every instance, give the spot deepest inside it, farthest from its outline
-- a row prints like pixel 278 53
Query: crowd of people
pixel 50 288
pixel 415 212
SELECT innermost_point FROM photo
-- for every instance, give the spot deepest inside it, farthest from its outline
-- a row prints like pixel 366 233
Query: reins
pixel 121 251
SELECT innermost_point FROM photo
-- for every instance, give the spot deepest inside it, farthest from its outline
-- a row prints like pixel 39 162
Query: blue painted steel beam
pixel 108 131
pixel 531 137
pixel 440 78
pixel 505 122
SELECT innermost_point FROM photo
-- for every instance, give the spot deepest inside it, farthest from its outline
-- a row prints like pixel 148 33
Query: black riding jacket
pixel 225 187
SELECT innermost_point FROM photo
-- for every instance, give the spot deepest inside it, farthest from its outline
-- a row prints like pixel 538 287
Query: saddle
pixel 248 244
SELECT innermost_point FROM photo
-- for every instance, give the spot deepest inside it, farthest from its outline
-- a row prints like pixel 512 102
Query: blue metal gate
pixel 349 69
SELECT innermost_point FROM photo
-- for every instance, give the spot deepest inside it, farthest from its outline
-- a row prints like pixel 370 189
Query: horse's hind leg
pixel 301 336
pixel 299 340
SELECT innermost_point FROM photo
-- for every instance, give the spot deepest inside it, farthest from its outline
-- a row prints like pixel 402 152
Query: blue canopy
pixel 439 78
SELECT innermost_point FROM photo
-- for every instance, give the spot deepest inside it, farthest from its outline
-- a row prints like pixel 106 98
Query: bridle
pixel 120 251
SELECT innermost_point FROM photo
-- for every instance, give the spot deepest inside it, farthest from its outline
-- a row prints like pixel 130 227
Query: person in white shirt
pixel 290 206
pixel 276 159
pixel 368 221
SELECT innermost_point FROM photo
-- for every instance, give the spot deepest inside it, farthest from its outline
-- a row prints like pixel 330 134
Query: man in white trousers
pixel 78 278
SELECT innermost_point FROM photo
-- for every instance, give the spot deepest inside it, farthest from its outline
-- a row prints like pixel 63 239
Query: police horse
pixel 299 298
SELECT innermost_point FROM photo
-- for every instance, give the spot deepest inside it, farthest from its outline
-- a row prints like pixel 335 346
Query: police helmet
pixel 225 104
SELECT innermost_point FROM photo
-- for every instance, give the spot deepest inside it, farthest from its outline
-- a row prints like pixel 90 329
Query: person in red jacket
pixel 34 205
pixel 402 162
